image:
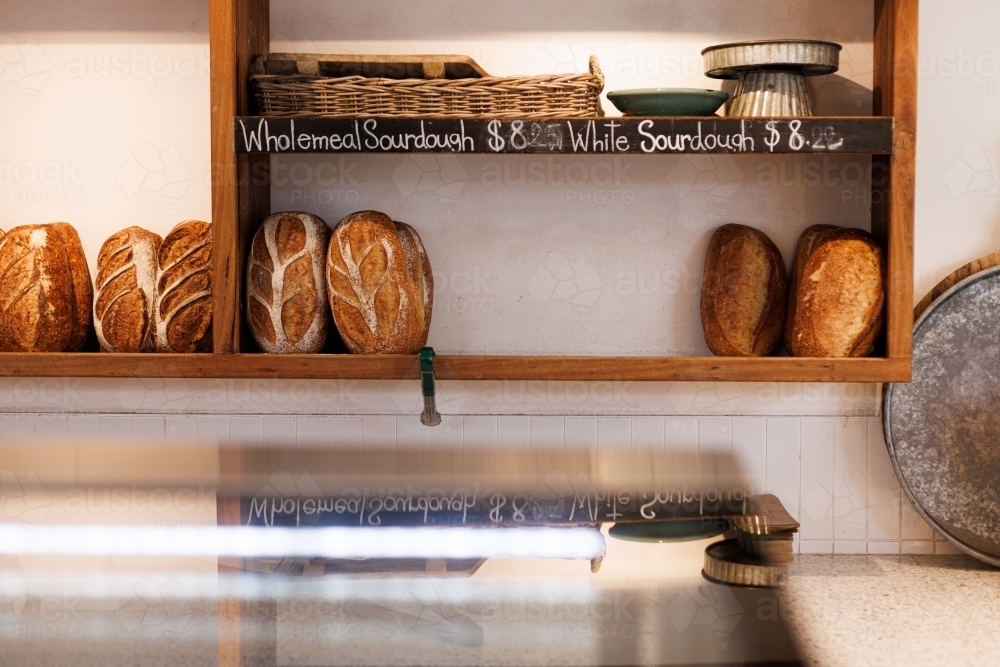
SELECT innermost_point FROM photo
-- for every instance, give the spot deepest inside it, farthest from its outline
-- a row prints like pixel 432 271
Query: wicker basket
pixel 547 96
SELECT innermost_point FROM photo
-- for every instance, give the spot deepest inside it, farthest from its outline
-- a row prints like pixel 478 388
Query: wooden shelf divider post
pixel 241 184
pixel 893 176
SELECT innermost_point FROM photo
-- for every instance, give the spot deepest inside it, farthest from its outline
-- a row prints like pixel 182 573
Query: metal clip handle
pixel 430 416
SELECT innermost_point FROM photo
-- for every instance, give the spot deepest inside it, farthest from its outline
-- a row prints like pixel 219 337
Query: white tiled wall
pixel 832 474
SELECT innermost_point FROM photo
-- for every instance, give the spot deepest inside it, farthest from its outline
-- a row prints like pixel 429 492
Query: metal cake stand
pixel 771 74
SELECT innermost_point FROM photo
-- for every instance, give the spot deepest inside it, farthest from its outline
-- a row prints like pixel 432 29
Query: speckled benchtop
pixel 911 611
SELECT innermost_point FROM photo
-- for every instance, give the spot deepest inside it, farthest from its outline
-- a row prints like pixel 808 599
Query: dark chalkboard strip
pixel 485 508
pixel 714 135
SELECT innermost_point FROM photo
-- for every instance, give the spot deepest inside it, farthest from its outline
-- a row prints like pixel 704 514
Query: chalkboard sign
pixel 476 507
pixel 580 136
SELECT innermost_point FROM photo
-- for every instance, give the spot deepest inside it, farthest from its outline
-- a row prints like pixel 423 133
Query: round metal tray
pixel 942 430
pixel 808 57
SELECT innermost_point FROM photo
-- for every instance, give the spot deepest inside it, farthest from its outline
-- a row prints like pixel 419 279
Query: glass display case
pixel 297 556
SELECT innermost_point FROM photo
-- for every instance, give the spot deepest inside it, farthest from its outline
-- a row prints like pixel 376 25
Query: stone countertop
pixel 911 611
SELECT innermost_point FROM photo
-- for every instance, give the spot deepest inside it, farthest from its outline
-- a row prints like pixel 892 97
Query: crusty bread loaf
pixel 127 269
pixel 182 312
pixel 286 288
pixel 743 293
pixel 840 295
pixel 379 285
pixel 45 291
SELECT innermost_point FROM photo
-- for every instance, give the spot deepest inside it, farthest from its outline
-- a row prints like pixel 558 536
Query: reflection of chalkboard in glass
pixel 466 507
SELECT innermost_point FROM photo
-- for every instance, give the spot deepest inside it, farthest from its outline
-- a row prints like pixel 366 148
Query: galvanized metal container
pixel 771 74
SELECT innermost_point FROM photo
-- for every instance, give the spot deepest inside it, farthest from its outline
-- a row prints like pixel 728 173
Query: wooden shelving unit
pixel 240 31
pixel 241 200
pixel 241 152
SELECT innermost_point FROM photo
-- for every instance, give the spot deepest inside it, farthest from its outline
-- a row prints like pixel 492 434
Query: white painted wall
pixel 566 254
pixel 607 263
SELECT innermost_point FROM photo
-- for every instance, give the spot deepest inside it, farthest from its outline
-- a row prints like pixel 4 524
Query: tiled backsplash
pixel 150 395
pixel 832 474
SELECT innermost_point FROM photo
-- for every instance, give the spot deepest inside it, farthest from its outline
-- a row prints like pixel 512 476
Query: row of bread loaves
pixel 831 305
pixel 370 273
pixel 151 295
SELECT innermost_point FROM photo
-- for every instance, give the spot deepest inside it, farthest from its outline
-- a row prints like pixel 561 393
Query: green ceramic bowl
pixel 668 101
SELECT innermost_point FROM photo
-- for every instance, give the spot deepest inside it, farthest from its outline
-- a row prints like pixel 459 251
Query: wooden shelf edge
pixel 456 367
pixel 660 369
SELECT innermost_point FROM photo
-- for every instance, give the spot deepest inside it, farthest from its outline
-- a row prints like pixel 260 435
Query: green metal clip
pixel 430 416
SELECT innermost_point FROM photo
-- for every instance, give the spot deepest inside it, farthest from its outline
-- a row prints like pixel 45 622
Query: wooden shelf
pixel 456 367
pixel 712 135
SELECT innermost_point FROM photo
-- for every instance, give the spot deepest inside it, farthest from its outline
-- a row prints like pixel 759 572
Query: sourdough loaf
pixel 839 298
pixel 743 293
pixel 127 268
pixel 286 290
pixel 182 310
pixel 45 291
pixel 380 285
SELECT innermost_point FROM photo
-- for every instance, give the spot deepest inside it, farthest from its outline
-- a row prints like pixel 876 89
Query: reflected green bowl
pixel 668 101
pixel 681 530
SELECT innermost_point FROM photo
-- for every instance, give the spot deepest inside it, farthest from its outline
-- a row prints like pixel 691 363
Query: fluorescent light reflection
pixel 252 586
pixel 275 542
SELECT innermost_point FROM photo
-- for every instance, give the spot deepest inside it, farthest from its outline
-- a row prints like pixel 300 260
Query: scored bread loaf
pixel 380 285
pixel 286 290
pixel 45 290
pixel 127 268
pixel 839 298
pixel 182 311
pixel 743 293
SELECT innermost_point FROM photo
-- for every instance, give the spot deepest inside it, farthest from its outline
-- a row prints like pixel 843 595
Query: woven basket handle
pixel 257 67
pixel 595 70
